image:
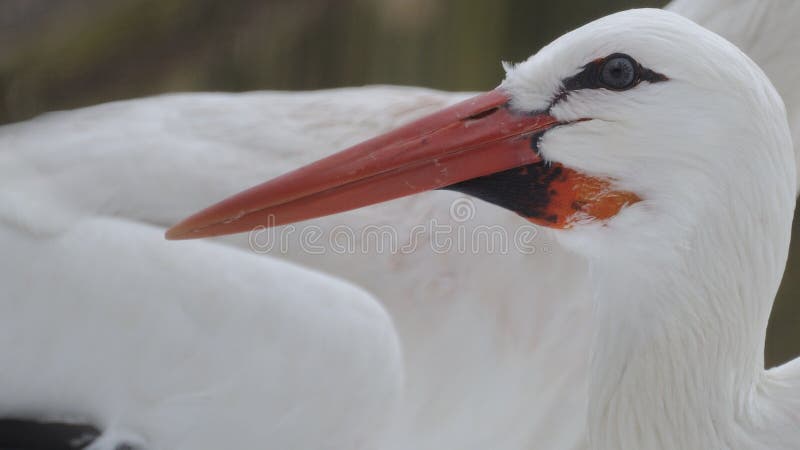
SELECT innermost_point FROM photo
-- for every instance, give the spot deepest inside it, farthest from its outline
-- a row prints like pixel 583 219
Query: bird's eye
pixel 618 72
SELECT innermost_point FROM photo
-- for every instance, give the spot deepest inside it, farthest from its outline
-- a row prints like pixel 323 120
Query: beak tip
pixel 174 234
pixel 182 231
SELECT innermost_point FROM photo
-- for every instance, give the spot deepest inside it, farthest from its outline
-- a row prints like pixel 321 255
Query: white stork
pixel 513 380
pixel 662 155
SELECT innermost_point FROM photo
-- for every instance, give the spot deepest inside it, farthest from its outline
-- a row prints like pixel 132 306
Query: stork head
pixel 637 117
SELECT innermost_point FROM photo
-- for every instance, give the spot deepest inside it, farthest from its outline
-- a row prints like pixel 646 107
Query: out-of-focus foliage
pixel 67 53
pixel 57 54
pixel 783 334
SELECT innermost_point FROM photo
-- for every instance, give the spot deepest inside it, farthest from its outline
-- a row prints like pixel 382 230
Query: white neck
pixel 678 349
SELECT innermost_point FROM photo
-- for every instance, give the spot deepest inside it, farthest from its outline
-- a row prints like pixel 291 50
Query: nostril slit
pixel 482 114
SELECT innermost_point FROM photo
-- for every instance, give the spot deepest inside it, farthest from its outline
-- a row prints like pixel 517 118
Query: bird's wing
pixel 193 345
pixel 767 31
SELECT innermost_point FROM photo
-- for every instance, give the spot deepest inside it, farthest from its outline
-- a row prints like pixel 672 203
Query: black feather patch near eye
pixel 616 72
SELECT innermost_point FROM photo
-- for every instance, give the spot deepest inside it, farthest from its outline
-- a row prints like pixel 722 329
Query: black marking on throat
pixel 524 190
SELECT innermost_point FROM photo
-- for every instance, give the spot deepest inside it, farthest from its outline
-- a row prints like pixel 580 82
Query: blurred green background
pixel 57 54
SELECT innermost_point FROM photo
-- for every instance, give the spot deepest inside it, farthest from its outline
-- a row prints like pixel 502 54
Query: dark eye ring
pixel 619 72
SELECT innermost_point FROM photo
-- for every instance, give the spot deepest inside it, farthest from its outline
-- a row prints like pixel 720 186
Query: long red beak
pixel 474 138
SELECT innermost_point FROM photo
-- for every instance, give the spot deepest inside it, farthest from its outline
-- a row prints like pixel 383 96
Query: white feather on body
pixel 194 346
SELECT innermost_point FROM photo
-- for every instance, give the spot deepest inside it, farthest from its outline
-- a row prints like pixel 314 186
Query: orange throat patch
pixel 575 197
pixel 550 195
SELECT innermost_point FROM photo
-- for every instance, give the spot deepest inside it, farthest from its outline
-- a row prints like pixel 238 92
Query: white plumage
pixel 488 363
pixel 193 347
